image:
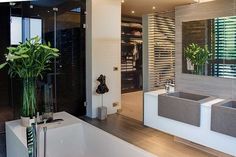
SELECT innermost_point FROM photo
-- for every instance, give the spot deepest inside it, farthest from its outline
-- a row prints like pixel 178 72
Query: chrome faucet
pixel 168 85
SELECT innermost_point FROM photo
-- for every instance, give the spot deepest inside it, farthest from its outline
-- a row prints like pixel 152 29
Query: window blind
pixel 225 47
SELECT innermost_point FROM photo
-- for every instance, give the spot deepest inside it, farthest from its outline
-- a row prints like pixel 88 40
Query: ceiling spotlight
pixel 202 1
pixel 132 11
pixel 12 3
pixel 153 8
pixel 122 1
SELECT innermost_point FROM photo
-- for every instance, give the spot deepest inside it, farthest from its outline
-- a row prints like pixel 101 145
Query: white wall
pixel 103 52
pixel 146 23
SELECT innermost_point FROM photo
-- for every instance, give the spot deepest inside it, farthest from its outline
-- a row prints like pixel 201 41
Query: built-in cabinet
pixel 202 135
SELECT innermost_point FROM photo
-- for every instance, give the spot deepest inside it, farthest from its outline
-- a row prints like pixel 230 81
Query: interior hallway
pixel 154 141
pixel 132 105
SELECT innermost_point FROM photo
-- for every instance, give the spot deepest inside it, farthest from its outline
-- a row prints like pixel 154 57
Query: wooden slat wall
pixel 220 87
pixel 161 50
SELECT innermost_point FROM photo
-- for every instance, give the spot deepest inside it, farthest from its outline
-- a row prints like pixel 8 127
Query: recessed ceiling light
pixel 153 8
pixel 132 11
pixel 12 3
pixel 202 1
pixel 122 1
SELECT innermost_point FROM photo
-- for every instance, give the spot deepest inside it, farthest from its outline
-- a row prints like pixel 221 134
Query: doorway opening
pixel 131 68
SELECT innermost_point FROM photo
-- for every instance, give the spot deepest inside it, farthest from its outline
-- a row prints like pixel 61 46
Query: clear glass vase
pixel 29 97
pixel 199 69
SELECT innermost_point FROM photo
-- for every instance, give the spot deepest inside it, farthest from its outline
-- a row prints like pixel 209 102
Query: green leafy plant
pixel 197 55
pixel 29 61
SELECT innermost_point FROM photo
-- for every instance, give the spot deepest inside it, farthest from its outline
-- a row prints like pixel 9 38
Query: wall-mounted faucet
pixel 167 87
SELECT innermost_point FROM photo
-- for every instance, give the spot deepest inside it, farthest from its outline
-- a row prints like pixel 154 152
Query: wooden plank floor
pixel 154 141
pixel 132 105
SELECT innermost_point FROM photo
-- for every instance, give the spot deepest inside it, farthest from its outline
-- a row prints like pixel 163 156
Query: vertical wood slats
pixel 161 50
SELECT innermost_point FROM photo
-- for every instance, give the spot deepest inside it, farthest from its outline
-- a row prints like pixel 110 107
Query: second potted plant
pixel 28 61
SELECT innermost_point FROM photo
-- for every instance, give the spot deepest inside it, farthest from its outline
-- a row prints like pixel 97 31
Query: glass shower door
pixel 71 64
pixel 63 87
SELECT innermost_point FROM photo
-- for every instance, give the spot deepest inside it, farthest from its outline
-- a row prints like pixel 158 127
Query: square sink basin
pixel 189 96
pixel 181 106
pixel 229 104
pixel 223 117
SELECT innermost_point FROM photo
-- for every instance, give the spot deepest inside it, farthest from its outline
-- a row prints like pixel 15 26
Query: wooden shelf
pixel 131 27
pixel 131 36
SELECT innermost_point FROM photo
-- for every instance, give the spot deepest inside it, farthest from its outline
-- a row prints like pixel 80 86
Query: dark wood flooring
pixel 156 142
pixel 2 145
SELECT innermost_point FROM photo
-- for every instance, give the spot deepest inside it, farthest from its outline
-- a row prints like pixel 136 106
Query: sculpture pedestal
pixel 102 113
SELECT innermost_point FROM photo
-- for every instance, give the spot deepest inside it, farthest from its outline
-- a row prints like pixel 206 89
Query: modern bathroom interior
pixel 111 78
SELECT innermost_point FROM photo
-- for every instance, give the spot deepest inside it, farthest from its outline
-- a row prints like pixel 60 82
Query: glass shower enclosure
pixel 59 22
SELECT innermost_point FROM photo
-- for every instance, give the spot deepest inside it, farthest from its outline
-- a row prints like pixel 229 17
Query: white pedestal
pixel 102 113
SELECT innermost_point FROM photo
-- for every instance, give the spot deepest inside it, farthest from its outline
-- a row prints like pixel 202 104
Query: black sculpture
pixel 102 87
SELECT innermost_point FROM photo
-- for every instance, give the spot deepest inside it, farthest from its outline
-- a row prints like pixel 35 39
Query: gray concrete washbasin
pixel 189 96
pixel 223 117
pixel 181 106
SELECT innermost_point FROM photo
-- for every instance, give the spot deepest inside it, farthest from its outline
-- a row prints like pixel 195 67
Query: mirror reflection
pixel 209 47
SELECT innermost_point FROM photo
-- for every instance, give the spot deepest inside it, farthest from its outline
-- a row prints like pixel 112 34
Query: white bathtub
pixel 75 138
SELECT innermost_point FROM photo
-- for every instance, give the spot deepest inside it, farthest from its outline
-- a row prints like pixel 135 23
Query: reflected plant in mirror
pixel 197 58
pixel 210 36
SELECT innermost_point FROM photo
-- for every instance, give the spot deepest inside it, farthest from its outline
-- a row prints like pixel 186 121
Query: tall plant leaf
pixel 3 65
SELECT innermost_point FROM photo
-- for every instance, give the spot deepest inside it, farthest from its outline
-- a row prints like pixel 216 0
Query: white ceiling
pixel 142 7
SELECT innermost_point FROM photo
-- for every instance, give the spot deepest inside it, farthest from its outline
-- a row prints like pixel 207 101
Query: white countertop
pixel 156 92
pixel 202 135
pixel 205 104
pixel 212 102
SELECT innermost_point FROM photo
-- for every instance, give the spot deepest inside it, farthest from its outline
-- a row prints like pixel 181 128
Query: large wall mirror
pixel 209 47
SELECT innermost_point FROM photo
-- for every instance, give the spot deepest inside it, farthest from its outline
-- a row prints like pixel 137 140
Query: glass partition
pixel 6 108
pixel 60 23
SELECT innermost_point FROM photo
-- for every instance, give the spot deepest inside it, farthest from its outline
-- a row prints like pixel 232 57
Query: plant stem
pixel 29 97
